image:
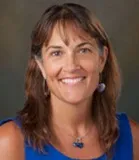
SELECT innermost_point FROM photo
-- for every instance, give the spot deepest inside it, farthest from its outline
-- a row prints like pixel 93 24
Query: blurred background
pixel 120 19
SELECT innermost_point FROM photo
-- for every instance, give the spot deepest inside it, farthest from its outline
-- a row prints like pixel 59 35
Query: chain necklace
pixel 78 143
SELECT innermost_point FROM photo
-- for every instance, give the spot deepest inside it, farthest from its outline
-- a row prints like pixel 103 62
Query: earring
pixel 46 93
pixel 101 86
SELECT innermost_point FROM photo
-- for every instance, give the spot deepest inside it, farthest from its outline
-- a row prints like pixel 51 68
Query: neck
pixel 73 118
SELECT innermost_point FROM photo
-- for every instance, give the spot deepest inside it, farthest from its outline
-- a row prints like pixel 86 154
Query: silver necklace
pixel 78 143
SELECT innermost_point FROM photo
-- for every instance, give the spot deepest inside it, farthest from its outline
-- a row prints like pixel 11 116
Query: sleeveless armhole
pixel 6 120
pixel 124 144
pixel 14 119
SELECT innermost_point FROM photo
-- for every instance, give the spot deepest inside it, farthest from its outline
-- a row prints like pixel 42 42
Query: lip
pixel 72 77
pixel 72 81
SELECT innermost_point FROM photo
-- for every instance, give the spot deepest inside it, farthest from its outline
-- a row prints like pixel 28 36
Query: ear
pixel 41 67
pixel 103 59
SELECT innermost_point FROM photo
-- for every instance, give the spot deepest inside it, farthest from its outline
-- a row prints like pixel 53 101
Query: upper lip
pixel 71 77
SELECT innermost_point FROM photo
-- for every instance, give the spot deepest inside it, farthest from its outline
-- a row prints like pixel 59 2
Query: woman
pixel 72 86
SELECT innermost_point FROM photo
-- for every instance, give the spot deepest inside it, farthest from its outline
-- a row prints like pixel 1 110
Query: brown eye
pixel 84 50
pixel 56 53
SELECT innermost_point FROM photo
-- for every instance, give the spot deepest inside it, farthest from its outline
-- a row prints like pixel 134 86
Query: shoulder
pixel 135 134
pixel 11 142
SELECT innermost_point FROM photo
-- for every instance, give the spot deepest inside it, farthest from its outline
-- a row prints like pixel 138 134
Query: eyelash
pixel 56 53
pixel 86 49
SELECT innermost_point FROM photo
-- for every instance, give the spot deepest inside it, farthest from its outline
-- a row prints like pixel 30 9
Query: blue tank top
pixel 123 146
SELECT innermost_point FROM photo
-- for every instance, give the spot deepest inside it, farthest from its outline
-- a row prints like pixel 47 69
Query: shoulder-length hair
pixel 36 114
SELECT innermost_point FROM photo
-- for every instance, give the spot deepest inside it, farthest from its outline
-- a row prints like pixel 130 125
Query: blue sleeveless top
pixel 123 146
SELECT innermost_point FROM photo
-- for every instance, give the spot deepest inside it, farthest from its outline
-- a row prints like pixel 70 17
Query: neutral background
pixel 120 18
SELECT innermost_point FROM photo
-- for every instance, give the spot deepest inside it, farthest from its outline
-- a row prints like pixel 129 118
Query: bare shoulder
pixel 11 142
pixel 135 134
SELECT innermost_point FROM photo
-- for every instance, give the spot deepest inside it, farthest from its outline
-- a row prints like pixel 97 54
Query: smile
pixel 72 81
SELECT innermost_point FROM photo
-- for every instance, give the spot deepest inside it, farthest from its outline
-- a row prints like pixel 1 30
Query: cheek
pixel 91 66
pixel 51 69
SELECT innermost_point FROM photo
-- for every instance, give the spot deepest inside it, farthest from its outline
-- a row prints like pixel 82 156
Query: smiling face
pixel 71 69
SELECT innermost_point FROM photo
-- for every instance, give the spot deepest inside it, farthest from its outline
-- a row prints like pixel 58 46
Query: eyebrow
pixel 54 47
pixel 60 47
pixel 84 43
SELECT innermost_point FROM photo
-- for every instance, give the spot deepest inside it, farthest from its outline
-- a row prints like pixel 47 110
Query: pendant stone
pixel 78 143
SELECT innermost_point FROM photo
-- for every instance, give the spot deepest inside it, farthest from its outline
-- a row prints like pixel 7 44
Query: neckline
pixel 63 155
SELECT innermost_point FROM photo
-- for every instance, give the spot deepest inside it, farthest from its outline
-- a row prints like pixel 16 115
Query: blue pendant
pixel 78 144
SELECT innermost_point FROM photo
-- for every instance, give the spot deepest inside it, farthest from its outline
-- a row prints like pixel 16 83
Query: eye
pixel 84 50
pixel 56 53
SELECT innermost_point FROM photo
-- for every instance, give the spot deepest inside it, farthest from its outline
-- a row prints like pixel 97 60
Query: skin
pixel 135 134
pixel 80 58
pixel 11 142
pixel 70 103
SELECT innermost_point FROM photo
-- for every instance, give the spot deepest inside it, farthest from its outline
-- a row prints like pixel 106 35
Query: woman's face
pixel 71 69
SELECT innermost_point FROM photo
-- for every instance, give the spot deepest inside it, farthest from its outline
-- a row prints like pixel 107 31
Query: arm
pixel 11 142
pixel 135 134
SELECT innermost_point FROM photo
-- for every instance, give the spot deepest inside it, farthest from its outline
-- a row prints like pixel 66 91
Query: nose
pixel 71 64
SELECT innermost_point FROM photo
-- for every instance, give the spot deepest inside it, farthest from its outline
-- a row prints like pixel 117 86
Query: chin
pixel 74 101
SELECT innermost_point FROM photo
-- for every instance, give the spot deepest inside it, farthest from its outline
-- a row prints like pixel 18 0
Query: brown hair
pixel 36 114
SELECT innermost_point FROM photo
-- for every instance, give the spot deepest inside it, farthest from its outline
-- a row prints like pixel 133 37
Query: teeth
pixel 72 81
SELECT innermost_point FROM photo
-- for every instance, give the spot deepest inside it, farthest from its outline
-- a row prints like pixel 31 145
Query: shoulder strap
pixel 15 119
pixel 6 120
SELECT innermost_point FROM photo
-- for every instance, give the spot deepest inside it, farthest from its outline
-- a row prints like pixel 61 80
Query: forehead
pixel 68 32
